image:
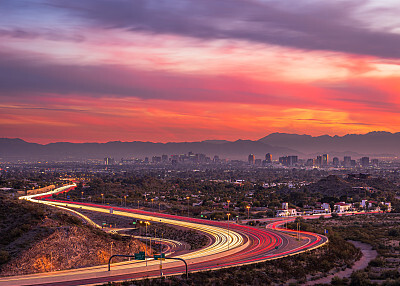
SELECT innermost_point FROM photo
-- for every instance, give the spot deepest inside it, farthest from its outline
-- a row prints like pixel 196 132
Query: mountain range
pixel 278 144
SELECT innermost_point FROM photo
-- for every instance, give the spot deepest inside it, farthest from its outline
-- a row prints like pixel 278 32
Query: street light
pixel 125 200
pixel 102 198
pixel 152 208
pixel 228 204
pixel 82 196
pixel 146 223
pixel 188 204
pixel 248 212
pixel 229 241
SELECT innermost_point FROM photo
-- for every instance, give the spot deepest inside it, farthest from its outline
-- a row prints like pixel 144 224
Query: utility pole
pixel 229 240
pixel 146 223
pixel 188 204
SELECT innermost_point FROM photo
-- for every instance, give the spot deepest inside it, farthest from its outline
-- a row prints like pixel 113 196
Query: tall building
pixel 364 161
pixel 325 160
pixel 293 160
pixel 288 160
pixel 252 159
pixel 347 161
pixel 336 161
pixel 164 158
pixel 109 161
pixel 268 158
pixel 156 159
pixel 318 161
pixel 310 162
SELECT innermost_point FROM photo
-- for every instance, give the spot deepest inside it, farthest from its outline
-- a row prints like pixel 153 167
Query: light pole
pixel 228 204
pixel 102 199
pixel 248 212
pixel 125 200
pixel 138 204
pixel 146 223
pixel 152 208
pixel 188 204
pixel 229 240
pixel 82 196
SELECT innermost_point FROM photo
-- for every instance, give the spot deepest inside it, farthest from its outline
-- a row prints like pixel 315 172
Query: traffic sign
pixel 140 256
pixel 159 256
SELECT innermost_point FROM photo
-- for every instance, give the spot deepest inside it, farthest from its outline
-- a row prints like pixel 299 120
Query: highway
pixel 230 246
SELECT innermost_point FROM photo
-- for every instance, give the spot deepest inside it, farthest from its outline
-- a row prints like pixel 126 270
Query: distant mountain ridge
pixel 377 142
pixel 17 149
pixel 278 144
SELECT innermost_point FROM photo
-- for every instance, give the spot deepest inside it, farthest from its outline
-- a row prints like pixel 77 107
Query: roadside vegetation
pixel 382 231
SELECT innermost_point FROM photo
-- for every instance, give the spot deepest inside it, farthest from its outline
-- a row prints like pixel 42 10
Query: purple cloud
pixel 317 25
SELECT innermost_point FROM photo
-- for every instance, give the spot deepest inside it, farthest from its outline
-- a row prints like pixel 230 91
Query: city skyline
pixel 99 71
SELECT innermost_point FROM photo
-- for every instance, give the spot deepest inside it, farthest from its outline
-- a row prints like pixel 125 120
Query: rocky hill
pixel 38 239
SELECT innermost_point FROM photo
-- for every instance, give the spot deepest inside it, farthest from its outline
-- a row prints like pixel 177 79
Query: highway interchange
pixel 230 245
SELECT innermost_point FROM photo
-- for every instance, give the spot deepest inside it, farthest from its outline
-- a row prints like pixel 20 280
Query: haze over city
pixel 98 71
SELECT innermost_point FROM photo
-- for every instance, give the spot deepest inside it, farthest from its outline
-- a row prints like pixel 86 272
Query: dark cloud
pixel 52 35
pixel 316 25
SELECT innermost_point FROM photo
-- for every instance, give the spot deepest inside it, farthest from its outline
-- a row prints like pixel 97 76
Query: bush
pixel 4 256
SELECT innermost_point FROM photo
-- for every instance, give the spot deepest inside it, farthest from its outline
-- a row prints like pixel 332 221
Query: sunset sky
pixel 191 70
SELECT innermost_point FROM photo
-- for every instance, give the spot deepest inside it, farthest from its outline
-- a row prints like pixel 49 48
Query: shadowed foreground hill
pixel 35 239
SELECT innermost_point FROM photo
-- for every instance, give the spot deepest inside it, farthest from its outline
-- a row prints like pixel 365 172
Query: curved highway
pixel 232 245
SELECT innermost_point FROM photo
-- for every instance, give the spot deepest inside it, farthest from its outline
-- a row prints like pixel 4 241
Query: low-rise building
pixel 342 207
pixel 286 212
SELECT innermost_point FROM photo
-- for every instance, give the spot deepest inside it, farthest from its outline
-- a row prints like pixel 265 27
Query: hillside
pixel 334 186
pixel 36 239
